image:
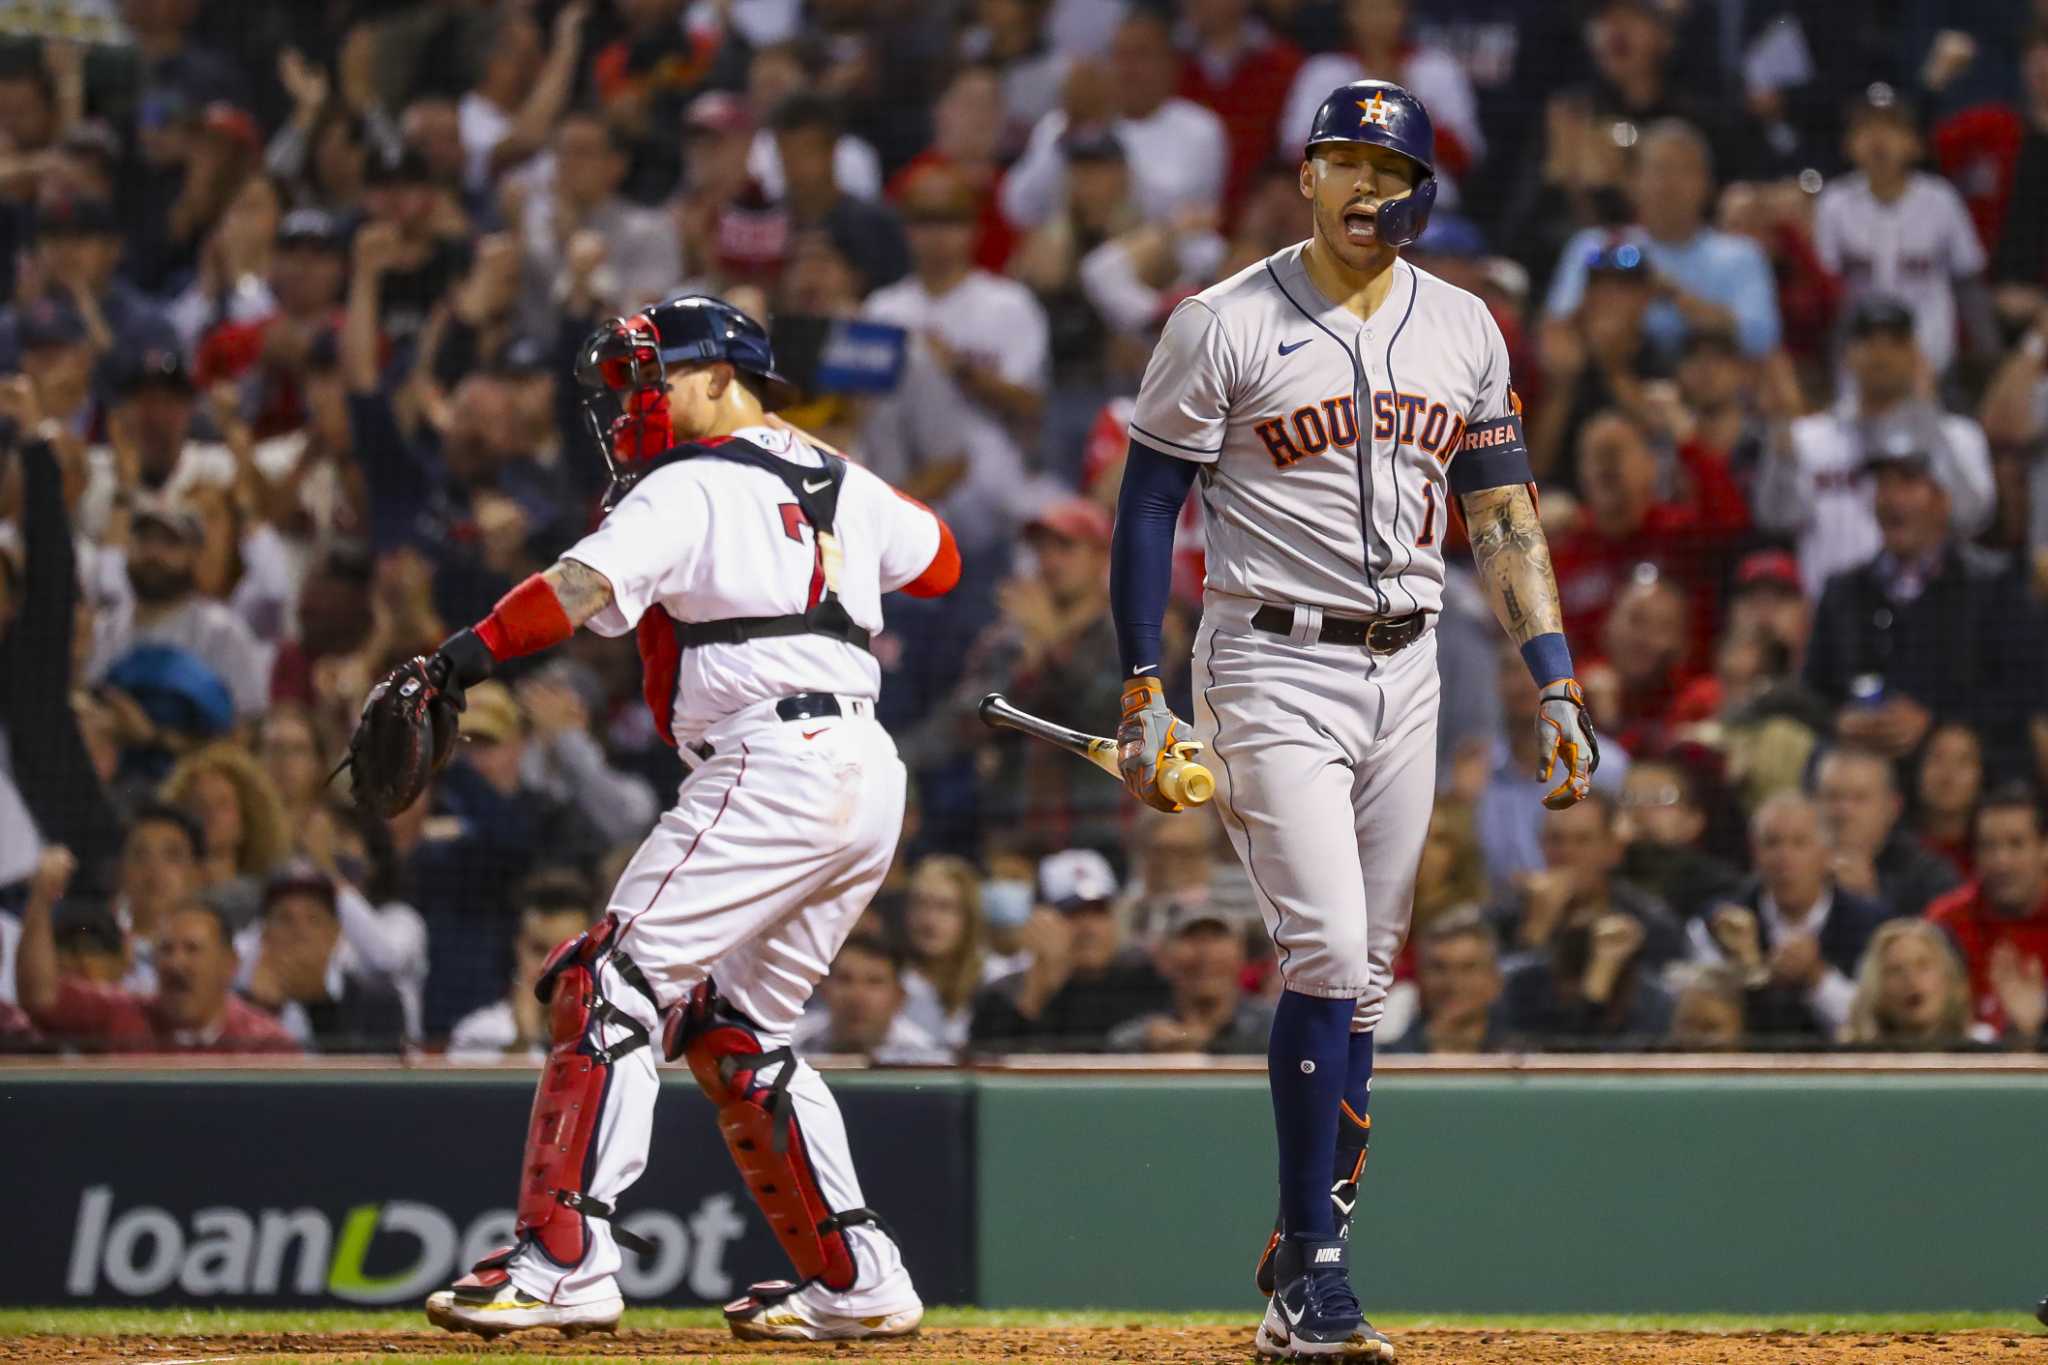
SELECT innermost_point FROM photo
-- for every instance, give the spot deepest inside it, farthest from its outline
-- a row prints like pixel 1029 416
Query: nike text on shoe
pixel 1314 1313
pixel 777 1310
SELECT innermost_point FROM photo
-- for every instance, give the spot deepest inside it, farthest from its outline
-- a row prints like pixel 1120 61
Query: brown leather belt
pixel 1380 634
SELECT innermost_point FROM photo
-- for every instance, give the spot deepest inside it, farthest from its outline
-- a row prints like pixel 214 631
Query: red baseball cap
pixel 1072 519
pixel 1768 568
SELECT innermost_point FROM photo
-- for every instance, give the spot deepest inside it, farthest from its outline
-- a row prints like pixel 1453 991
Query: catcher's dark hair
pixel 2012 795
pixel 164 813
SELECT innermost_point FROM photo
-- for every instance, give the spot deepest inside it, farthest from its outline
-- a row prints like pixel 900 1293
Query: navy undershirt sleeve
pixel 1141 553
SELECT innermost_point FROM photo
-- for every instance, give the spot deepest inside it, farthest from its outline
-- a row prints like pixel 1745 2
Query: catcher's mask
pixel 625 365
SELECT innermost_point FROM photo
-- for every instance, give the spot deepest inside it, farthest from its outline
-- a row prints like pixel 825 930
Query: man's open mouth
pixel 1359 224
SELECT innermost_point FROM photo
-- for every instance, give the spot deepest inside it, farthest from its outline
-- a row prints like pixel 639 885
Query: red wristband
pixel 526 620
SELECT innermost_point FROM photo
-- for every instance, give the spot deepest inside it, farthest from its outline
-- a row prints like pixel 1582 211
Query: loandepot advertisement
pixel 273 1190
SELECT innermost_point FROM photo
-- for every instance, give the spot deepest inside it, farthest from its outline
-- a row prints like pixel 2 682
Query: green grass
pixel 228 1321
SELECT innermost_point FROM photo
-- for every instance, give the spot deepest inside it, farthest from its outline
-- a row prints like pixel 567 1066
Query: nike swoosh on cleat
pixel 1289 349
pixel 810 487
pixel 1293 1315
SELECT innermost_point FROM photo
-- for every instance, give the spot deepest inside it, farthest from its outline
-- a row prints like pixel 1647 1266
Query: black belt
pixel 802 706
pixel 1380 634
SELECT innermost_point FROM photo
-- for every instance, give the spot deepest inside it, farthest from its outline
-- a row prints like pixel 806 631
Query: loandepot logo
pixel 241 1253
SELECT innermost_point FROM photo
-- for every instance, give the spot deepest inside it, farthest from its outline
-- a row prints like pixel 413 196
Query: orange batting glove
pixel 1145 738
pixel 1567 747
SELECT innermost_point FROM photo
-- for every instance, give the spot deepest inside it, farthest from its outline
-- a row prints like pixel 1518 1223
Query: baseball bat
pixel 1181 778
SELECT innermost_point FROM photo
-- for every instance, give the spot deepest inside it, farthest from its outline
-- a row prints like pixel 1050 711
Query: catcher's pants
pixel 1325 762
pixel 756 876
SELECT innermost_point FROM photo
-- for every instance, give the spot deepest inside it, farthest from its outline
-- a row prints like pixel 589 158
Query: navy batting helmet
pixel 1382 114
pixel 689 329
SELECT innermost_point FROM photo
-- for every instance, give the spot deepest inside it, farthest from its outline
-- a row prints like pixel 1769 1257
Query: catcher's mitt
pixel 406 732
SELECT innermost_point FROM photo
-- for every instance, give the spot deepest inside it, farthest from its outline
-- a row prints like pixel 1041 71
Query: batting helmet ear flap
pixel 1400 221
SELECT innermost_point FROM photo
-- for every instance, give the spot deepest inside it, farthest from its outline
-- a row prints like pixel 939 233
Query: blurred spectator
pixel 1010 35
pixel 1814 482
pixel 1766 600
pixel 1948 779
pixel 863 1014
pixel 1644 664
pixel 554 908
pixel 1705 278
pixel 776 73
pixel 1663 831
pixel 805 127
pixel 967 138
pixel 243 820
pixel 167 610
pixel 525 84
pixel 1795 936
pixel 1457 970
pixel 1178 862
pixel 642 258
pixel 1874 854
pixel 490 829
pixel 300 972
pixel 1929 628
pixel 76 262
pixel 946 963
pixel 191 1008
pixel 2014 213
pixel 1177 150
pixel 267 352
pixel 2000 921
pixel 1706 1011
pixel 1890 230
pixel 2015 412
pixel 1911 992
pixel 1593 359
pixel 1625 522
pixel 1048 652
pixel 1080 983
pixel 1234 64
pixel 1595 943
pixel 1580 886
pixel 564 760
pixel 1382 47
pixel 1202 957
pixel 950 435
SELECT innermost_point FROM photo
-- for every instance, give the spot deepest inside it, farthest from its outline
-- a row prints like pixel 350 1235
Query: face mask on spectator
pixel 1006 904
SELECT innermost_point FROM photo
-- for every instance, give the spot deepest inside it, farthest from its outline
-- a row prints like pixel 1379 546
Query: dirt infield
pixel 1135 1342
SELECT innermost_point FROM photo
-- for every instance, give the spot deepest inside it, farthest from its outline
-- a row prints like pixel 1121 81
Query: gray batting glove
pixel 1568 751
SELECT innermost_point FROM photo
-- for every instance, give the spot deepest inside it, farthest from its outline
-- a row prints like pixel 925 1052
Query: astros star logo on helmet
pixel 1374 110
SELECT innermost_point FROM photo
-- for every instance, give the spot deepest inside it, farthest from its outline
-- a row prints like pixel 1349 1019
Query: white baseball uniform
pixel 780 837
pixel 1326 444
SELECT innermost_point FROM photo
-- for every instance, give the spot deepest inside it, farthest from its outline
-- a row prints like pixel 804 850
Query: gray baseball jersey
pixel 1328 440
pixel 1329 446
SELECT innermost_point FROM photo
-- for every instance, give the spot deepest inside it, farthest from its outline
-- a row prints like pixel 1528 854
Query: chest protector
pixel 815 491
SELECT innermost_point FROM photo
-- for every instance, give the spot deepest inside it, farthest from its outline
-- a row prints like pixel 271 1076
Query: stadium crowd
pixel 292 297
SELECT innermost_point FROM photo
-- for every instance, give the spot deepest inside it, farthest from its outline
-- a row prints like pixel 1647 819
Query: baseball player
pixel 1333 400
pixel 751 566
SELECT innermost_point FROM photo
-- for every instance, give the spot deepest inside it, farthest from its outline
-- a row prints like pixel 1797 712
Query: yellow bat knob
pixel 1186 782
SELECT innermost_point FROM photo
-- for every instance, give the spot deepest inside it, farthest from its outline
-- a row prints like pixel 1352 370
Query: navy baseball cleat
pixel 2041 1312
pixel 1354 1135
pixel 1315 1313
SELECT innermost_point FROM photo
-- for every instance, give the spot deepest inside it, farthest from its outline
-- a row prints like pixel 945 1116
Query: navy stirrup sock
pixel 1358 1077
pixel 1307 1064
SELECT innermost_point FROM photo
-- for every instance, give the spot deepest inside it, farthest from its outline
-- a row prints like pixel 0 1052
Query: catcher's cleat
pixel 1354 1135
pixel 778 1310
pixel 486 1302
pixel 1315 1314
pixel 2041 1312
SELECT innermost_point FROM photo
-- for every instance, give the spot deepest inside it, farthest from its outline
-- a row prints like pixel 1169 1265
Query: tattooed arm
pixel 582 590
pixel 1514 561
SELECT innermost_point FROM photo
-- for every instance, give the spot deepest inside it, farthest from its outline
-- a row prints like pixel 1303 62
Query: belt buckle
pixel 1372 635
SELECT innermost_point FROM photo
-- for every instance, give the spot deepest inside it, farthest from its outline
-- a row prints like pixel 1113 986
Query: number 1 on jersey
pixel 1428 536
